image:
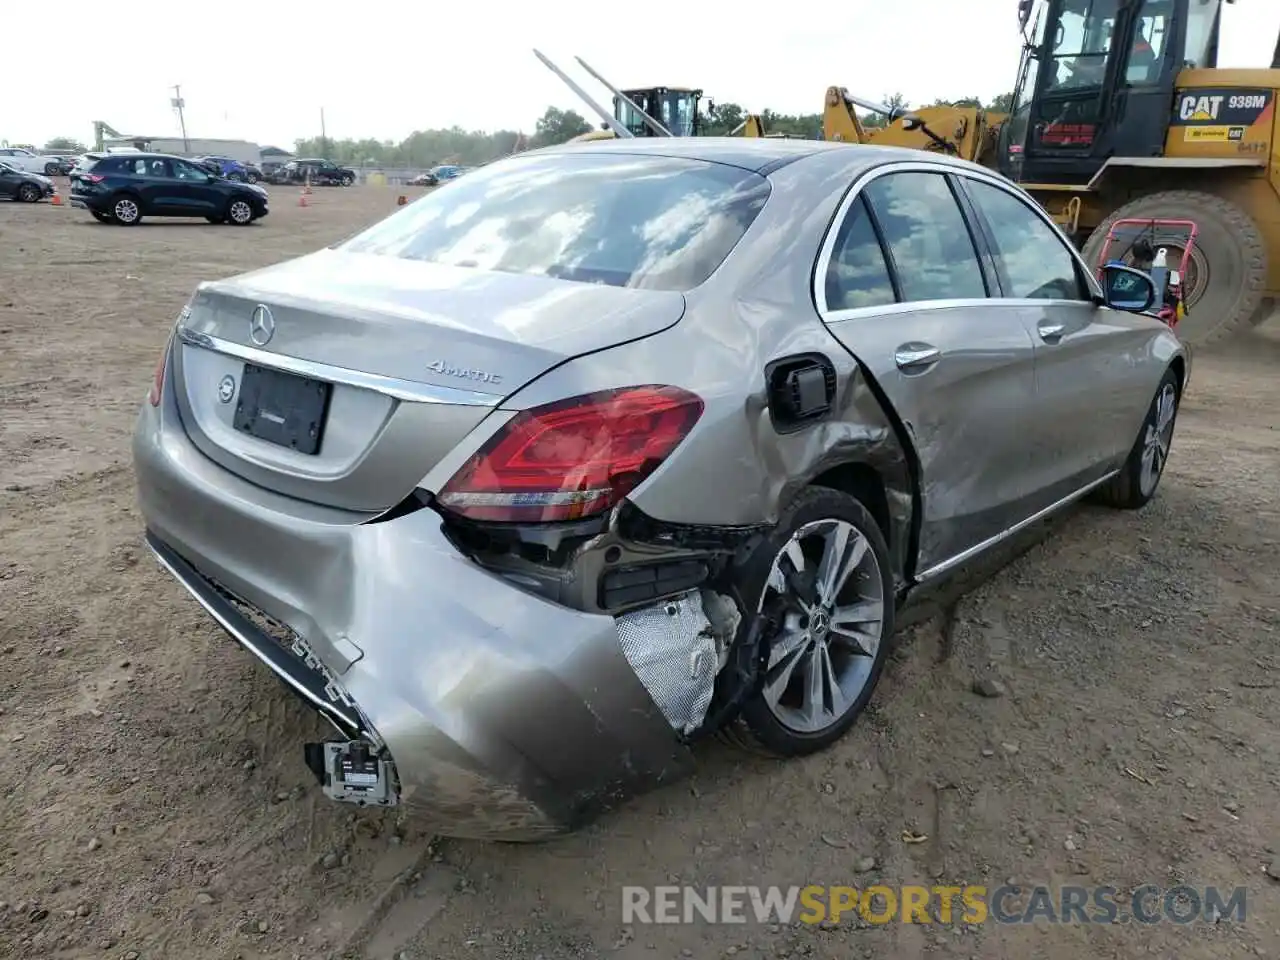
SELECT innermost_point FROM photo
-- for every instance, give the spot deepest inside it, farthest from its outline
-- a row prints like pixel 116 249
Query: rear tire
pixel 52 169
pixel 126 211
pixel 785 719
pixel 1139 478
pixel 29 193
pixel 1231 250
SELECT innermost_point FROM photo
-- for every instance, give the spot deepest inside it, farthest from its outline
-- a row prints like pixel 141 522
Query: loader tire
pixel 1229 259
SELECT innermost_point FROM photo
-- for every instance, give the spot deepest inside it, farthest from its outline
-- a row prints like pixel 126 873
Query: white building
pixel 242 150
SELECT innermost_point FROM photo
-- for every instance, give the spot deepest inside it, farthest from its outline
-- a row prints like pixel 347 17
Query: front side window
pixel 1201 19
pixel 1146 52
pixel 630 221
pixel 185 171
pixel 857 275
pixel 928 239
pixel 1079 43
pixel 1036 264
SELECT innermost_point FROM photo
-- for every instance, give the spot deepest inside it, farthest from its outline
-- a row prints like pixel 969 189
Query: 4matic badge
pixel 447 369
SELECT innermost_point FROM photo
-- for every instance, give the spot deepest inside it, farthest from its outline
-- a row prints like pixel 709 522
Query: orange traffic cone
pixel 56 200
pixel 401 200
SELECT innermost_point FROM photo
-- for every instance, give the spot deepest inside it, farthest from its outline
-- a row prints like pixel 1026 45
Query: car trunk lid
pixel 401 360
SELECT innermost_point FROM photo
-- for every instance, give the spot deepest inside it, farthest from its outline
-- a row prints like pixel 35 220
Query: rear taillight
pixel 573 458
pixel 92 177
pixel 157 379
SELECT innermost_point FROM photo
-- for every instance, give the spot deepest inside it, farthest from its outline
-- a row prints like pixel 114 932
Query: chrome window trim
pixel 818 283
pixel 389 386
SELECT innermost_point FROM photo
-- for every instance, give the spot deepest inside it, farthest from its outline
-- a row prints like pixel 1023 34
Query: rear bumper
pixel 506 716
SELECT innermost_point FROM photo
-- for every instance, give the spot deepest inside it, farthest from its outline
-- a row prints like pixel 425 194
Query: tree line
pixel 426 148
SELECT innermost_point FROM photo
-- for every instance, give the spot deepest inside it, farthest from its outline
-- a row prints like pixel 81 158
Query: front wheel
pixel 1136 483
pixel 126 212
pixel 348 180
pixel 52 169
pixel 254 178
pixel 239 212
pixel 825 578
pixel 1227 268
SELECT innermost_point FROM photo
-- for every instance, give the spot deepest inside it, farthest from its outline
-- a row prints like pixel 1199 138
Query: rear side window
pixel 857 275
pixel 629 221
pixel 928 239
pixel 1035 263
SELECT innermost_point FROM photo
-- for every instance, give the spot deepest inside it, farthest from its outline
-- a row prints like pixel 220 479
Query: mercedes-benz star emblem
pixel 227 388
pixel 262 325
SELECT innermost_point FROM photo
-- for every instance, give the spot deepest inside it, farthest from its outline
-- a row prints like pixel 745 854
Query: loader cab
pixel 676 108
pixel 1097 79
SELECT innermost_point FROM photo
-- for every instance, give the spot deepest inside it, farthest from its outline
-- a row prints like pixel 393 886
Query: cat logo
pixel 1193 107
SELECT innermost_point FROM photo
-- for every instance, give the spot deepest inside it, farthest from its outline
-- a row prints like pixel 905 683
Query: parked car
pixel 231 169
pixel 125 188
pixel 427 179
pixel 29 161
pixel 524 503
pixel 447 171
pixel 317 172
pixel 18 184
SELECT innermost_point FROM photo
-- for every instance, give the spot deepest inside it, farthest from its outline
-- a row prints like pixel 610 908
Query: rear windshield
pixel 624 220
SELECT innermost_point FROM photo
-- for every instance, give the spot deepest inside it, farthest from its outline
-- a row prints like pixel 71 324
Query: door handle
pixel 1051 331
pixel 913 356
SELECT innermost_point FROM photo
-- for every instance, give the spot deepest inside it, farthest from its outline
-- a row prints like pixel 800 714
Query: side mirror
pixel 1125 288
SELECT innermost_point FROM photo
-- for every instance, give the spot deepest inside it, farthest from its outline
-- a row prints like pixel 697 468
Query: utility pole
pixel 179 104
pixel 324 139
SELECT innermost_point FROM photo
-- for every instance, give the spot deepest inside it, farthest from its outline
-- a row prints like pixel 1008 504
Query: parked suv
pixel 124 188
pixel 231 169
pixel 320 172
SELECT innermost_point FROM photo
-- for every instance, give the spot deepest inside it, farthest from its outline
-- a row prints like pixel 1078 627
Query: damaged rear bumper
pixel 505 715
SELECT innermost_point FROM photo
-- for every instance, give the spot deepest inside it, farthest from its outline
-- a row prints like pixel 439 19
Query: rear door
pixel 903 287
pixel 1085 353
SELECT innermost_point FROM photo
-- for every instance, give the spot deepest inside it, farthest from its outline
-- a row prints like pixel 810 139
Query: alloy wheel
pixel 1157 437
pixel 28 193
pixel 829 581
pixel 240 212
pixel 126 211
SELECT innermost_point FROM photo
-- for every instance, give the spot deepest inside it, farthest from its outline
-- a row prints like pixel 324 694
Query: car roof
pixel 145 155
pixel 758 154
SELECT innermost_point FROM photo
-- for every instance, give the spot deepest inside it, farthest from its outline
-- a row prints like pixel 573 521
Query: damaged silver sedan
pixel 603 448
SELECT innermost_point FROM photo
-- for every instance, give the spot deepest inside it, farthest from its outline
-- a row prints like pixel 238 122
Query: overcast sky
pixel 262 73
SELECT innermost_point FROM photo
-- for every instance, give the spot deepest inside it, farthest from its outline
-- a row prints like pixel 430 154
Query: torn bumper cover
pixel 505 715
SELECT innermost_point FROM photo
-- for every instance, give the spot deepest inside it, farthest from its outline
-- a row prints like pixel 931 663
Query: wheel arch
pixel 877 464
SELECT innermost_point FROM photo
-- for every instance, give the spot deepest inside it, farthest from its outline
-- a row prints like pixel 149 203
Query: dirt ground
pixel 154 803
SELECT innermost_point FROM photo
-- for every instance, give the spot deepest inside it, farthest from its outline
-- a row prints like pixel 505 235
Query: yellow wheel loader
pixel 1120 112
